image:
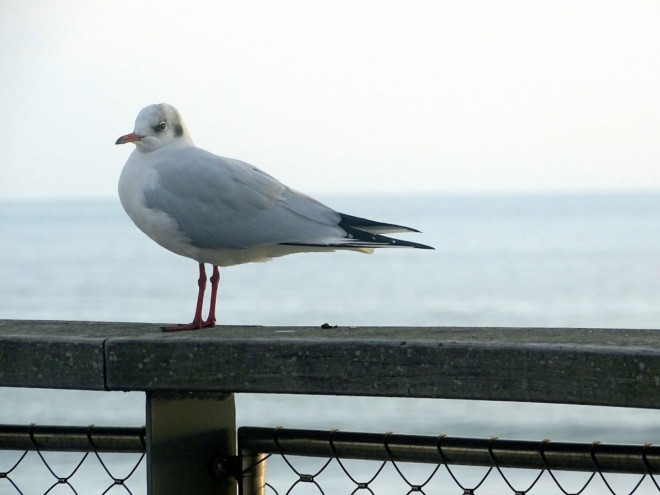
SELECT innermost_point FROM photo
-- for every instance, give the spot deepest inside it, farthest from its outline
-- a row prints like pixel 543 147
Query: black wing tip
pixel 384 241
pixel 362 245
pixel 359 239
pixel 359 235
pixel 364 223
pixel 357 229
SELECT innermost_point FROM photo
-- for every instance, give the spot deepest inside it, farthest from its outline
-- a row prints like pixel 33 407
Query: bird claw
pixel 195 325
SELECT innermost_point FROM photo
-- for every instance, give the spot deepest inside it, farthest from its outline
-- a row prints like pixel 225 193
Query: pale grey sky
pixel 338 96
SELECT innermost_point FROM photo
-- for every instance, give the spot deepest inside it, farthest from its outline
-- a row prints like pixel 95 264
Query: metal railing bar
pixel 613 458
pixel 73 438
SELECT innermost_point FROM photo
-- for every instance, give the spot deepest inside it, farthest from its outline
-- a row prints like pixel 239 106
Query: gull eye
pixel 161 127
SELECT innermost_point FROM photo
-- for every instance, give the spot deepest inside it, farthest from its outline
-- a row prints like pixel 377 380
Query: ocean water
pixel 525 260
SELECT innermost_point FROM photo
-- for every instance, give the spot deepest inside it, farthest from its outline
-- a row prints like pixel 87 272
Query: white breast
pixel 136 177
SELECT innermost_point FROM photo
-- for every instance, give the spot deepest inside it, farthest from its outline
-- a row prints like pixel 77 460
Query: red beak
pixel 128 138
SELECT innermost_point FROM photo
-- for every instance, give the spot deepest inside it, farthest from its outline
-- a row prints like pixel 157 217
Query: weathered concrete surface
pixel 583 366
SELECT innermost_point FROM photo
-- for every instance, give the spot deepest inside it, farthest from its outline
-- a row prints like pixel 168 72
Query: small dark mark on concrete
pixel 326 326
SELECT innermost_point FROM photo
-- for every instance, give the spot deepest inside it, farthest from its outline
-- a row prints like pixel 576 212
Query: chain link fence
pixel 88 460
pixel 61 459
pixel 352 463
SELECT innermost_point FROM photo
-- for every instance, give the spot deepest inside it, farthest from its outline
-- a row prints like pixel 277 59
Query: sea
pixel 520 260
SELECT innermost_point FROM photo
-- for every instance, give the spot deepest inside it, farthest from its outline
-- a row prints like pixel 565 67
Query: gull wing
pixel 220 202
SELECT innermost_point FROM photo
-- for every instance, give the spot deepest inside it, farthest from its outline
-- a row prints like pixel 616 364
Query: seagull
pixel 222 211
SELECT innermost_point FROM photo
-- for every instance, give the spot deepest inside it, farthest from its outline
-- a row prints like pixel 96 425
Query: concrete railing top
pixel 615 367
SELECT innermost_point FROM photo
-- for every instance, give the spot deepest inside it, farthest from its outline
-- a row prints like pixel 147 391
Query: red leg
pixel 215 279
pixel 197 320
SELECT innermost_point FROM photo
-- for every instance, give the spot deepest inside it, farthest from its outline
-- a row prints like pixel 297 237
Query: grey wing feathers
pixel 224 203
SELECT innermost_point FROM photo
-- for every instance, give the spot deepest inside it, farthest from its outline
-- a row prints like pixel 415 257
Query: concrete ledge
pixel 581 366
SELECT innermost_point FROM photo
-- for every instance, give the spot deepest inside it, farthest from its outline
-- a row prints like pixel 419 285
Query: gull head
pixel 157 126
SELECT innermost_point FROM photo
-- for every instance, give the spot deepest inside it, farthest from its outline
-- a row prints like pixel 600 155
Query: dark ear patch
pixel 178 130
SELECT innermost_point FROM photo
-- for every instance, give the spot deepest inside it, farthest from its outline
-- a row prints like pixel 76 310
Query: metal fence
pixel 22 446
pixel 508 466
pixel 317 461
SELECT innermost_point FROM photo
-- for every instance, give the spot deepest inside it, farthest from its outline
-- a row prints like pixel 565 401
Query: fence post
pixel 185 433
pixel 253 481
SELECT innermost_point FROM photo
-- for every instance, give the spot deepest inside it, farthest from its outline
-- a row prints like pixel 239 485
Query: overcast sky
pixel 338 96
